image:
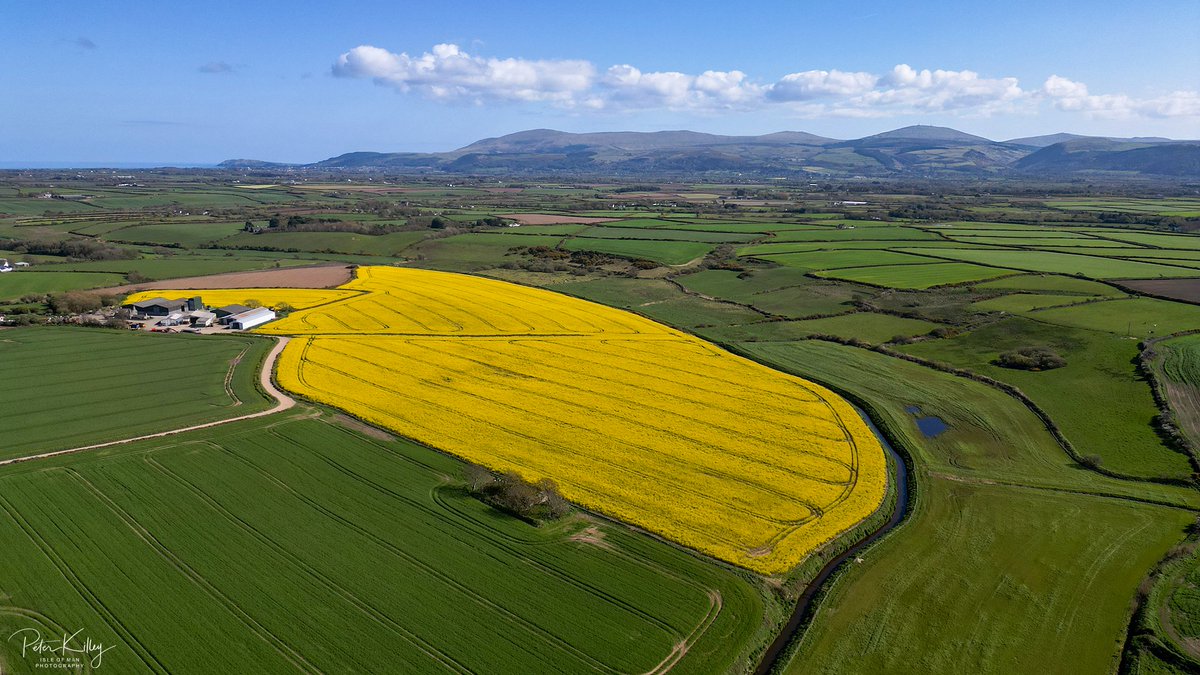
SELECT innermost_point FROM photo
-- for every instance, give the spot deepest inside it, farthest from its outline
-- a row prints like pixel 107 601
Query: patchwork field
pixel 69 387
pixel 1013 559
pixel 1061 263
pixel 491 372
pixel 1099 400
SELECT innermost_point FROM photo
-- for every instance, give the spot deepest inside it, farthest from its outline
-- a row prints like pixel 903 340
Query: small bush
pixel 533 502
pixel 1031 358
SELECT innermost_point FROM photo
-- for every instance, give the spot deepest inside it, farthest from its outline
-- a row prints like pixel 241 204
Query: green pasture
pixel 1050 283
pixel 1140 317
pixel 871 327
pixel 666 252
pixel 1060 263
pixel 1098 400
pixel 80 386
pixel 185 234
pixel 13 285
pixel 884 233
pixel 328 242
pixel 916 276
pixel 1021 303
pixel 298 543
pixel 667 234
pixel 838 259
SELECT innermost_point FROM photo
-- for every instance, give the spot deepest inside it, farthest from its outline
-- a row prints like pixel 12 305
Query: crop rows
pixel 334 530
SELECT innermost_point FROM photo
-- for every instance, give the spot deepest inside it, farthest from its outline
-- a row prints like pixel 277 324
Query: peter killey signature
pixel 70 647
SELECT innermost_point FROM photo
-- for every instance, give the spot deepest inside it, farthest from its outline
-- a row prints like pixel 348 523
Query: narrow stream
pixel 805 607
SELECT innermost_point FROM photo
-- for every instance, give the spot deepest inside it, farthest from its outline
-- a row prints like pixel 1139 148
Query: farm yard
pixel 677 360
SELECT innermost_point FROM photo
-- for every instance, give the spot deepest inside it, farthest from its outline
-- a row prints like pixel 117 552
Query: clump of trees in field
pixel 76 249
pixel 1031 358
pixel 533 502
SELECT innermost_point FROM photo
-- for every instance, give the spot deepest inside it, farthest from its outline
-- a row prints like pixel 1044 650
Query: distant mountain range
pixel 915 151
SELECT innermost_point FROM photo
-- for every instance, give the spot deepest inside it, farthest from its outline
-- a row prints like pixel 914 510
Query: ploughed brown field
pixel 1187 290
pixel 315 276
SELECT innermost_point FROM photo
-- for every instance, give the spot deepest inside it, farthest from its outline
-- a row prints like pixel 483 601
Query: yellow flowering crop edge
pixel 630 418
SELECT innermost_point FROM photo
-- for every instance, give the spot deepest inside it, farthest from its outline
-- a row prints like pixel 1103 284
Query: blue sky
pixel 300 81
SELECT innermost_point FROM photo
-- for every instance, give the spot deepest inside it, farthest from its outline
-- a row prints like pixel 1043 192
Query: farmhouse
pixel 4 266
pixel 249 319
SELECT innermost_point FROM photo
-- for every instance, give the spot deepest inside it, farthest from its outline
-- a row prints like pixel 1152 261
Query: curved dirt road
pixel 282 402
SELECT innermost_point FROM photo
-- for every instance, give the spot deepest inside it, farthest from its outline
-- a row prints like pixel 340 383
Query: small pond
pixel 930 426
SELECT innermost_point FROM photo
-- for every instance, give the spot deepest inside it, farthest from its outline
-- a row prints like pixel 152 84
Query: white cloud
pixel 812 84
pixel 909 90
pixel 629 87
pixel 447 73
pixel 1072 96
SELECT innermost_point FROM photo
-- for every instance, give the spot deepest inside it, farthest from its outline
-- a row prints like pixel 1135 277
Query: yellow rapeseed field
pixel 298 298
pixel 629 417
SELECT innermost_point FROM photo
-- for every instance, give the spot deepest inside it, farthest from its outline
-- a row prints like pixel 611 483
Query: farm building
pixel 201 318
pixel 224 314
pixel 4 266
pixel 157 306
pixel 249 319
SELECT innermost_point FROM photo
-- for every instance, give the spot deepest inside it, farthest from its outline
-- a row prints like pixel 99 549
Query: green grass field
pixel 869 326
pixel 667 234
pixel 659 300
pixel 13 285
pixel 1039 242
pixel 754 228
pixel 1098 399
pixel 1021 303
pixel 1175 206
pixel 838 259
pixel 176 266
pixel 987 574
pixel 991 436
pixel 1138 317
pixel 924 275
pixel 885 233
pixel 299 544
pixel 1036 582
pixel 783 291
pixel 336 242
pixel 186 234
pixel 1061 263
pixel 68 387
pixel 1051 284
pixel 666 252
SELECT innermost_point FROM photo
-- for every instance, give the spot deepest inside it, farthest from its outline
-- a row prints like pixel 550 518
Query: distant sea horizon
pixel 67 164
